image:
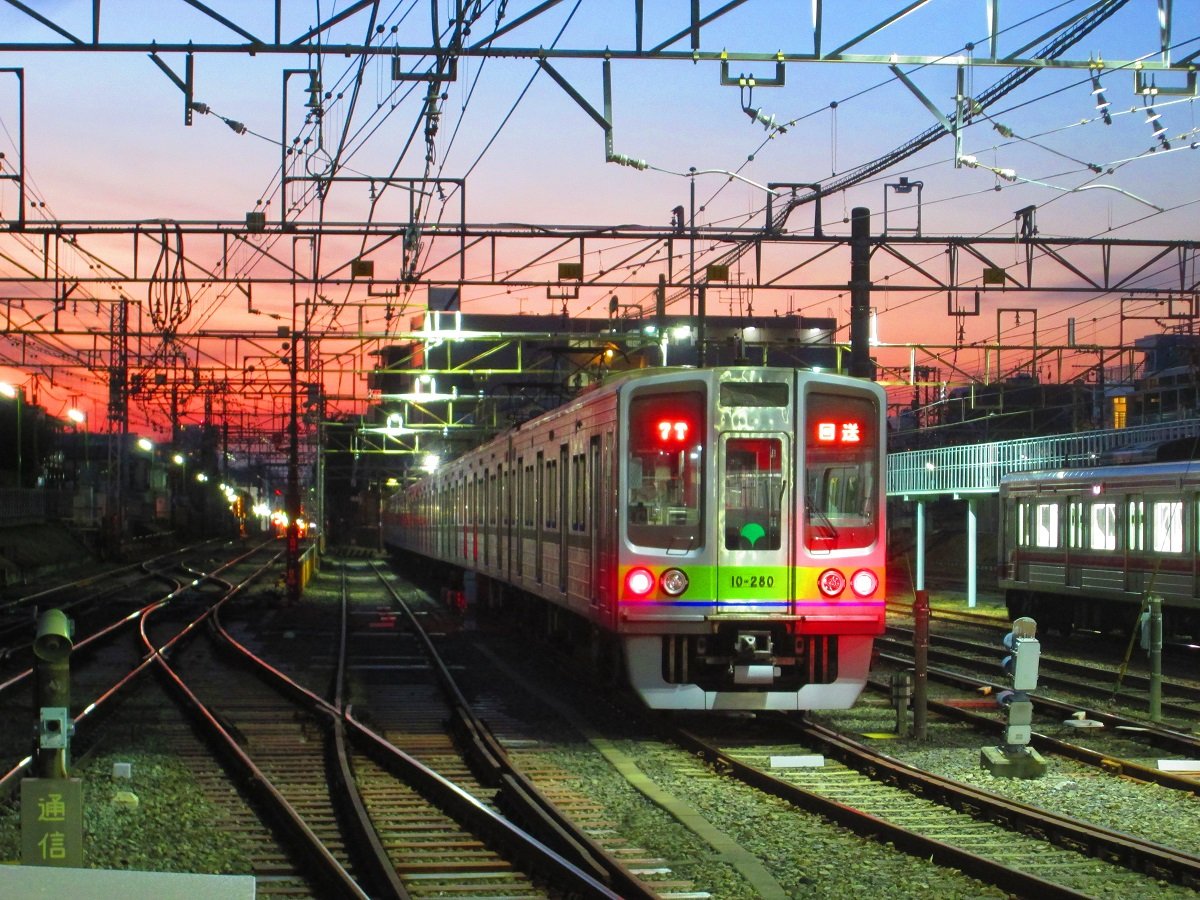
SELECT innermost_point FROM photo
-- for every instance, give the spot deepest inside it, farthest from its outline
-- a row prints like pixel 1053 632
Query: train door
pixel 539 515
pixel 602 522
pixel 475 509
pixel 509 515
pixel 592 518
pixel 519 512
pixel 755 553
pixel 564 526
pixel 1135 543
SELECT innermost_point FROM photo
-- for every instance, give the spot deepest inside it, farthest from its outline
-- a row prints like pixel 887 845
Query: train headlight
pixel 673 582
pixel 639 582
pixel 864 583
pixel 831 582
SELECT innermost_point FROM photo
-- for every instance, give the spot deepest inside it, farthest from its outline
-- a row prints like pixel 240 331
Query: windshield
pixel 840 472
pixel 664 467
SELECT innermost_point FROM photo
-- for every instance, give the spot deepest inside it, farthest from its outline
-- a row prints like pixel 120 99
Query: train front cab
pixel 751 564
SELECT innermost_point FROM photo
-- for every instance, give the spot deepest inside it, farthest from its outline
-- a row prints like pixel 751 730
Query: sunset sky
pixel 105 140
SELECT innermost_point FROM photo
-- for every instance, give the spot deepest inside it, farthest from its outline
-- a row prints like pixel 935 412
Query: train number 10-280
pixel 752 581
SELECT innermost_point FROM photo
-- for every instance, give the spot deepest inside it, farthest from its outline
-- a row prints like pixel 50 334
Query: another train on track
pixel 1083 548
pixel 718 532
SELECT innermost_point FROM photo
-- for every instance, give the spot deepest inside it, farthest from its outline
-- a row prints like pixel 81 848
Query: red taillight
pixel 639 582
pixel 864 583
pixel 831 582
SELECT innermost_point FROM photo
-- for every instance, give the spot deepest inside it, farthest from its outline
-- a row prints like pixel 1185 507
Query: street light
pixel 79 418
pixel 179 495
pixel 15 393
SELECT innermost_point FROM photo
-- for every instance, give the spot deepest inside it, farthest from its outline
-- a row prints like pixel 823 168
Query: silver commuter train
pixel 719 531
pixel 1083 547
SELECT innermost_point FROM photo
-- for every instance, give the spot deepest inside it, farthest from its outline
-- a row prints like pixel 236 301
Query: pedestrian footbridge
pixel 968 471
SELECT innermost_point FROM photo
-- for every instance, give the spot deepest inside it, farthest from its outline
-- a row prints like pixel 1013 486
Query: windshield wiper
pixel 823 520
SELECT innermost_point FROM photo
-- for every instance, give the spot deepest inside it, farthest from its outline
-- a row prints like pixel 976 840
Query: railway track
pixel 1083 679
pixel 189 797
pixel 436 836
pixel 94 601
pixel 101 666
pixel 391 695
pixel 1022 849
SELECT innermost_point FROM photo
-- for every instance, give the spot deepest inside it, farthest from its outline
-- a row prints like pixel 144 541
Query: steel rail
pixel 520 797
pixel 368 849
pixel 878 829
pixel 326 869
pixel 533 853
pixel 1131 852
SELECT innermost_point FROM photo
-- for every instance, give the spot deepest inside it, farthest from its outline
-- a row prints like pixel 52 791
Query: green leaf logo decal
pixel 752 531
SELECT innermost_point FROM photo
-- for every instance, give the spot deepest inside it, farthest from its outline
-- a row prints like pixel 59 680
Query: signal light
pixel 831 582
pixel 1008 661
pixel 639 582
pixel 864 582
pixel 1022 653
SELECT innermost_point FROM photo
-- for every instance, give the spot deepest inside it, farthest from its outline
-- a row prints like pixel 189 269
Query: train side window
pixel 579 490
pixel 529 489
pixel 1046 525
pixel 1075 524
pixel 551 495
pixel 1103 532
pixel 1168 526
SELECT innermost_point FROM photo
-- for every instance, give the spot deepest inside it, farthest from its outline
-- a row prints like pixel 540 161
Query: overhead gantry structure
pixel 149 308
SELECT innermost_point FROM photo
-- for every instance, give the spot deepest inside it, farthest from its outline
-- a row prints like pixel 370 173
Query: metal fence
pixel 978 468
pixel 22 507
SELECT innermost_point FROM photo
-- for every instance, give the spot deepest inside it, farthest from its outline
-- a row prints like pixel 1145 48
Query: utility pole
pixel 860 292
pixel 293 480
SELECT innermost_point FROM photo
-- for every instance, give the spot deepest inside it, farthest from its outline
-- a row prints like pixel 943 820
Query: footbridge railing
pixel 978 468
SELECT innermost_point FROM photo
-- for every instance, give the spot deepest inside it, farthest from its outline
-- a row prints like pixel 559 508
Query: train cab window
pixel 1102 531
pixel 841 472
pixel 1045 523
pixel 1168 526
pixel 753 393
pixel 664 469
pixel 753 487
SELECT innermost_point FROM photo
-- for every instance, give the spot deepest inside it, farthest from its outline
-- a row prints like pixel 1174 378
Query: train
pixel 1083 548
pixel 714 537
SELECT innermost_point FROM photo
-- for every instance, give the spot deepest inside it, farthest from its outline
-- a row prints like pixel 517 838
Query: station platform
pixel 55 883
